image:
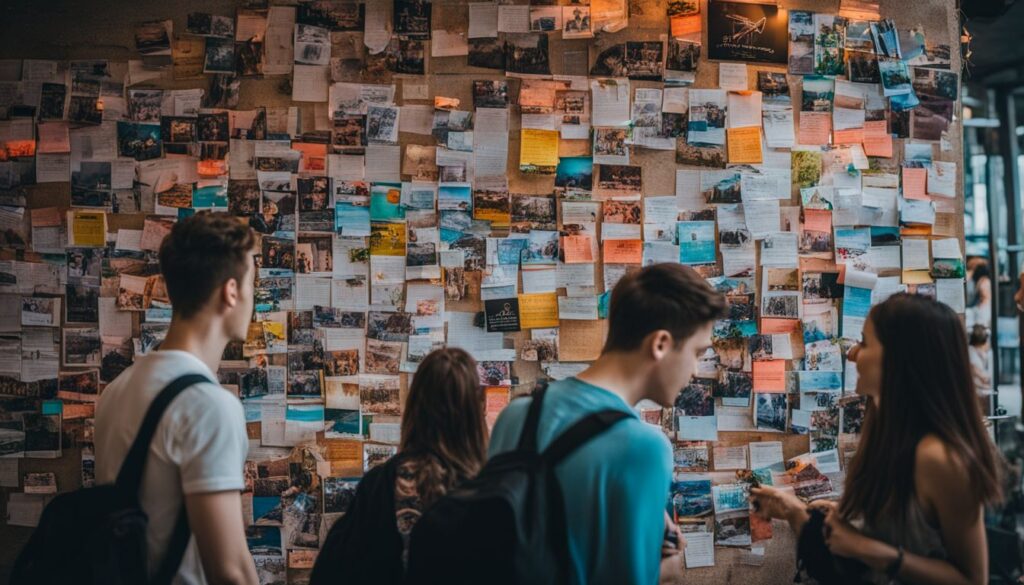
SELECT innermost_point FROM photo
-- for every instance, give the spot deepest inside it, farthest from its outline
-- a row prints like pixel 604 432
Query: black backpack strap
pixel 129 478
pixel 579 433
pixel 528 436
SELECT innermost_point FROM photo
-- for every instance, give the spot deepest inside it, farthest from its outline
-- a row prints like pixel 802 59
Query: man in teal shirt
pixel 616 486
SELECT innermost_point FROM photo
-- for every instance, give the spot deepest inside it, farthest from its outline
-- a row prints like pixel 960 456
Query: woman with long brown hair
pixel 912 510
pixel 443 443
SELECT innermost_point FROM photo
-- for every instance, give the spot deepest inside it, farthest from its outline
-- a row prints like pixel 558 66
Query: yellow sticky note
pixel 917 277
pixel 538 311
pixel 87 228
pixel 538 150
pixel 744 145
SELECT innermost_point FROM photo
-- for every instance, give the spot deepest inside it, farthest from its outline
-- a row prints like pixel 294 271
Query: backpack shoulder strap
pixel 528 435
pixel 579 433
pixel 129 478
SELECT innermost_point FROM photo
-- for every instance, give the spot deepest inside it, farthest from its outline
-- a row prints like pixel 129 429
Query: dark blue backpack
pixel 508 523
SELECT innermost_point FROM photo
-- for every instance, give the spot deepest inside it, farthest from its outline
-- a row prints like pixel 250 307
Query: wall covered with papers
pixel 476 175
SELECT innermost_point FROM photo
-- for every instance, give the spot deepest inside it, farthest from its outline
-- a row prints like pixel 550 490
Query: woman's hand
pixel 841 537
pixel 773 503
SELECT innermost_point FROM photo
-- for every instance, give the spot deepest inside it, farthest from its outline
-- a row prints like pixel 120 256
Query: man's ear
pixel 229 294
pixel 658 343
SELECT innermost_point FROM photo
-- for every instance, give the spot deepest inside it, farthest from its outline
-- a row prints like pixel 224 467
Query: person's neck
pixel 201 337
pixel 619 373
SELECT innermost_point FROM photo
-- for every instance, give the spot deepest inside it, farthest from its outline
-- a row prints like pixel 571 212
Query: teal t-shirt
pixel 615 486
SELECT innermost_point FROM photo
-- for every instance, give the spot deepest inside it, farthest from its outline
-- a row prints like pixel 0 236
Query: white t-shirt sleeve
pixel 209 441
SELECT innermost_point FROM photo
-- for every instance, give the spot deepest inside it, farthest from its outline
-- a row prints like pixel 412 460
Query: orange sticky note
pixel 848 136
pixel 773 325
pixel 877 140
pixel 744 145
pixel 685 25
pixel 577 249
pixel 770 376
pixel 915 183
pixel 623 251
pixel 817 220
pixel 815 128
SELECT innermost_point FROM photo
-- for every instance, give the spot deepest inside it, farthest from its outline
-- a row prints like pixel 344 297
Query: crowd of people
pixel 911 511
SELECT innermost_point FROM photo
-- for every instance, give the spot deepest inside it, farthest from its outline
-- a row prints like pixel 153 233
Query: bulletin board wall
pixel 73 29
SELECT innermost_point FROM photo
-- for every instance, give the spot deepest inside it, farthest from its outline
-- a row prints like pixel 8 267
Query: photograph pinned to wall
pixel 681 62
pixel 527 54
pixel 382 124
pixel 144 105
pixel 312 45
pixel 700 155
pixel 220 56
pixel 335 16
pixel 412 18
pixel 210 25
pixel 801 42
pixel 771 411
pixel 487 53
pixel 817 94
pixel 895 77
pixel 739 31
pixel 774 87
pixel 576 22
pixel 490 93
pixel 610 146
pixel 139 141
pixel 645 60
pixel 618 181
pixel 610 62
pixel 545 18
pixel 886 39
pixel 935 83
pixel 829 40
pixel 931 119
pixel 154 38
pixel 707 117
pixel 862 67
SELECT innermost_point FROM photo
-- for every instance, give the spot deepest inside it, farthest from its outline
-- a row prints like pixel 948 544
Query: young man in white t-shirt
pixel 199 448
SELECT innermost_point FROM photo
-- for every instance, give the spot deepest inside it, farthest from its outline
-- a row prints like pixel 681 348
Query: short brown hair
pixel 665 296
pixel 200 254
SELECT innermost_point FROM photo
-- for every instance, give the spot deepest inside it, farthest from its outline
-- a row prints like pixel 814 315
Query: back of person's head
pixel 201 255
pixel 444 423
pixel 979 335
pixel 667 296
pixel 926 387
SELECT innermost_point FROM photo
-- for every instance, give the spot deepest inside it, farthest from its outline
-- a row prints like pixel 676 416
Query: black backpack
pixel 98 535
pixel 509 523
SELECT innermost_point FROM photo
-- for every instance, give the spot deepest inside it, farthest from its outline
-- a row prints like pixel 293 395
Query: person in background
pixel 659 324
pixel 443 443
pixel 199 449
pixel 981 352
pixel 980 311
pixel 912 508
